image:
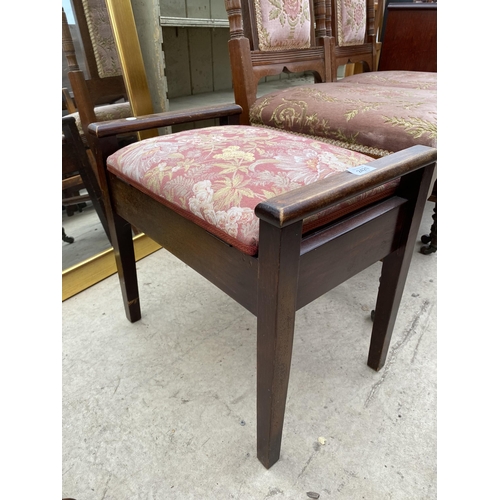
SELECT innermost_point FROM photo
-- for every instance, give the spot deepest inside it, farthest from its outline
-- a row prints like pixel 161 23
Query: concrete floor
pixel 165 408
pixel 88 233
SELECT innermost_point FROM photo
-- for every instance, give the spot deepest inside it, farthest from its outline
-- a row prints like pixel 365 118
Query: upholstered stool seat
pixel 374 113
pixel 217 176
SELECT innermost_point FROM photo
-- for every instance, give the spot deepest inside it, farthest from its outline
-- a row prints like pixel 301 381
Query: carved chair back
pixel 268 37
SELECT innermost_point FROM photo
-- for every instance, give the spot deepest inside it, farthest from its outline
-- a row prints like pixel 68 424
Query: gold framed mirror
pixel 94 268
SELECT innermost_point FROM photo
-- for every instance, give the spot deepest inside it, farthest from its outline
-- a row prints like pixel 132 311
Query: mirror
pixel 85 234
pixel 89 258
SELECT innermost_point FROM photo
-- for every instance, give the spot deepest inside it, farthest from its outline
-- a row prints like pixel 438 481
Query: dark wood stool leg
pixel 395 271
pixel 120 233
pixel 123 245
pixel 392 280
pixel 279 252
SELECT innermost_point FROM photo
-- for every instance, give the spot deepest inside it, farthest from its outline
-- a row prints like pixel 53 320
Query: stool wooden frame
pixel 291 269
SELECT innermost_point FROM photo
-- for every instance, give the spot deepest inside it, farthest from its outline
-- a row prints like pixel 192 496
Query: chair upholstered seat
pixel 374 113
pixel 217 176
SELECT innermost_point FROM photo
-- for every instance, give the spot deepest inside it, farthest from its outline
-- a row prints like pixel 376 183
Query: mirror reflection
pixel 83 234
pixel 84 229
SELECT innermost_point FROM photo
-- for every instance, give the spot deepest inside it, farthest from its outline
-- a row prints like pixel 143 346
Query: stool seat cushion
pixel 373 113
pixel 216 176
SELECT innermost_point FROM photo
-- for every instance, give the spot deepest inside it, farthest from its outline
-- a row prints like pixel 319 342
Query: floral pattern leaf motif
pixel 275 12
pixel 362 107
pixel 414 126
pixel 235 153
pixel 283 24
pixel 232 190
pixel 153 180
pixel 351 22
pixel 340 135
pixel 290 113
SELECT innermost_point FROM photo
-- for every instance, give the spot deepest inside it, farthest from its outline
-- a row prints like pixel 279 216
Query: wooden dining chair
pixel 273 219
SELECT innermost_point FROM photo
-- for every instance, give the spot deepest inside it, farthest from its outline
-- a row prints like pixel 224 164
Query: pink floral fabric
pixel 351 22
pixel 216 176
pixel 283 24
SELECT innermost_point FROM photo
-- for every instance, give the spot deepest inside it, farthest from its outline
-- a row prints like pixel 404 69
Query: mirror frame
pixel 81 276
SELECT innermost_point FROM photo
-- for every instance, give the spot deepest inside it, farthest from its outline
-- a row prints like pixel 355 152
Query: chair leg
pixel 392 280
pixel 66 238
pixel 123 245
pixel 278 277
pixel 395 271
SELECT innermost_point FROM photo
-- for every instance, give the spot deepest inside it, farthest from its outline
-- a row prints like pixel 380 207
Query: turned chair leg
pixel 123 245
pixel 278 270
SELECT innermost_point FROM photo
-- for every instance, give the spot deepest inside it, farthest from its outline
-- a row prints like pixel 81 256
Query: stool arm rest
pixel 287 208
pixel 136 124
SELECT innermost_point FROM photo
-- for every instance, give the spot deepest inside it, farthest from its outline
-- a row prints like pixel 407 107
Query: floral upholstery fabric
pixel 216 176
pixel 107 112
pixel 103 41
pixel 351 22
pixel 362 112
pixel 283 24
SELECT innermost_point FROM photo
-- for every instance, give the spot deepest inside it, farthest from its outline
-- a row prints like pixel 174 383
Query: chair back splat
pixel 271 218
pixel 354 33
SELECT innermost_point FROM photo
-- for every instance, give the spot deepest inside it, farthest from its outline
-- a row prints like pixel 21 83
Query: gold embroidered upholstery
pixel 351 22
pixel 362 117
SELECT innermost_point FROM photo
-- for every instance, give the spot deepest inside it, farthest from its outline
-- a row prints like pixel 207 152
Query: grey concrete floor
pixel 165 408
pixel 88 233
